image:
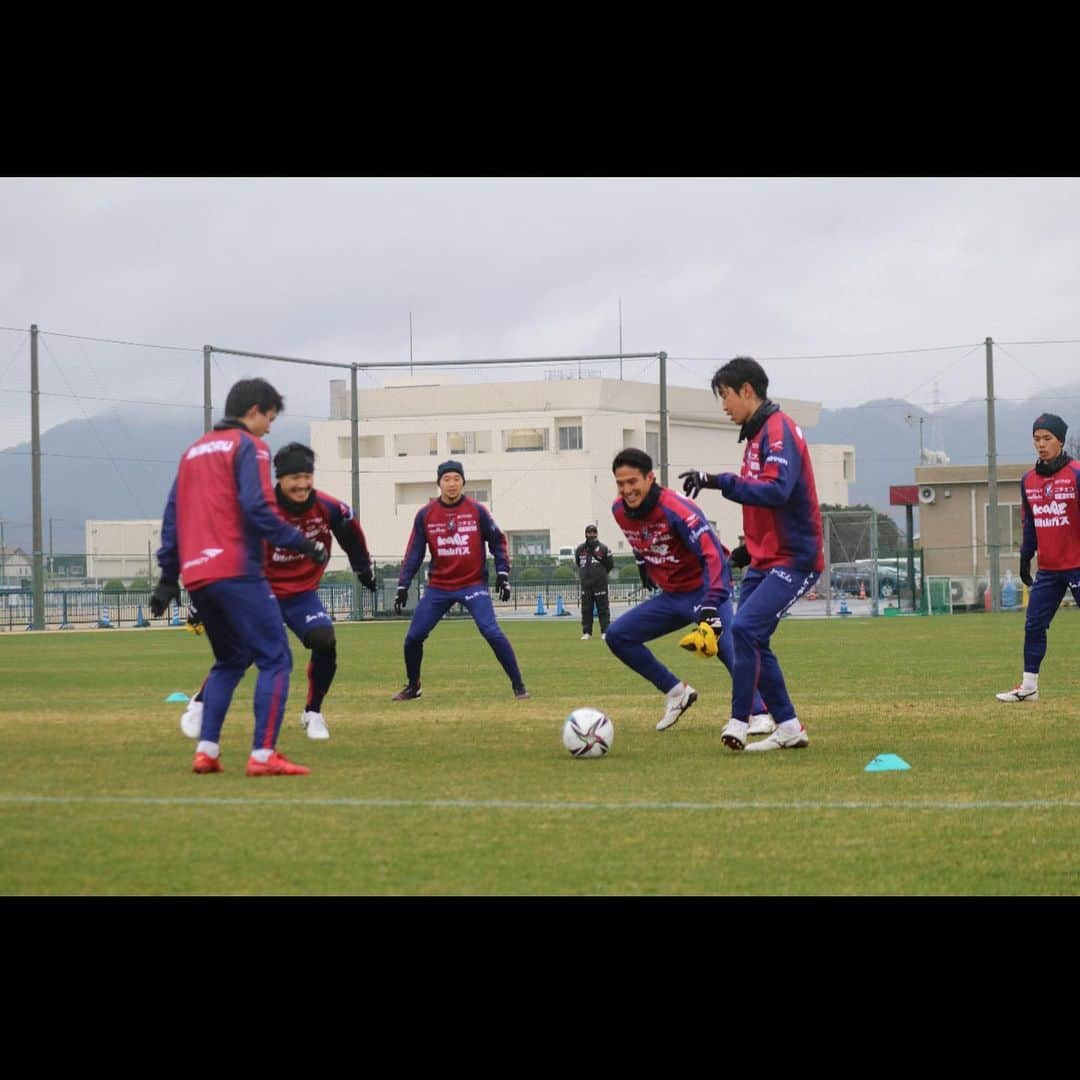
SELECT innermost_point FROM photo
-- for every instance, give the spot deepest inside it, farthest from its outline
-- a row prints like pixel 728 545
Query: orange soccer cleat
pixel 204 763
pixel 276 765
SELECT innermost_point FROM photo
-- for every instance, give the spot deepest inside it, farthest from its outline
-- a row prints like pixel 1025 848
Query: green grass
pixel 469 792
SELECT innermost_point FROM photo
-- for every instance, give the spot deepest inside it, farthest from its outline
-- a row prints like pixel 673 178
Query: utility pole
pixel 3 556
pixel 620 339
pixel 38 585
pixel 663 420
pixel 208 412
pixel 991 484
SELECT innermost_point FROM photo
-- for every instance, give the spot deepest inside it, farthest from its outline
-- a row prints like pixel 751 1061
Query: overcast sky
pixel 329 269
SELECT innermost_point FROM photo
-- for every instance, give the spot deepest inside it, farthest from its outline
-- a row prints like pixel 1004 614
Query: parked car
pixel 858 576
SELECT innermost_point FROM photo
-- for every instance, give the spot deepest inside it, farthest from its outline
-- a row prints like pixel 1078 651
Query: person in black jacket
pixel 594 562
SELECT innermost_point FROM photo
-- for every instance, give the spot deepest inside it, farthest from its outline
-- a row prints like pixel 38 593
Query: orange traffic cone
pixel 862 590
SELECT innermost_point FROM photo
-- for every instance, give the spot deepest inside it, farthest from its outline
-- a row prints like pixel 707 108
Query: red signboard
pixel 904 495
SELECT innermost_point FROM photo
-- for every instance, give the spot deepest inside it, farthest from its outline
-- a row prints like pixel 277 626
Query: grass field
pixel 469 792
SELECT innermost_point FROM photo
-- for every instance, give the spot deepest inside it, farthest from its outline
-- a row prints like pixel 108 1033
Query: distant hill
pixel 887 445
pixel 118 464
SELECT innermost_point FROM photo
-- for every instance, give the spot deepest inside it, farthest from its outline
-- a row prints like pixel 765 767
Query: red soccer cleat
pixel 204 763
pixel 278 765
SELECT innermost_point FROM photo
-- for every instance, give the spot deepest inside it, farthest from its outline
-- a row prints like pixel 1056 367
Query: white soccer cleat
pixel 734 734
pixel 315 726
pixel 761 723
pixel 585 637
pixel 783 739
pixel 1018 693
pixel 603 637
pixel 678 701
pixel 191 721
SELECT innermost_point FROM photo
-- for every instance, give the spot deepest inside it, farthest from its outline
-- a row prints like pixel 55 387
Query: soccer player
pixel 677 553
pixel 455 528
pixel 295 580
pixel 1050 512
pixel 219 511
pixel 782 534
pixel 594 562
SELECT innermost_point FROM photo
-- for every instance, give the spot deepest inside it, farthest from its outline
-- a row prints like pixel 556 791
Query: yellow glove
pixel 194 624
pixel 700 640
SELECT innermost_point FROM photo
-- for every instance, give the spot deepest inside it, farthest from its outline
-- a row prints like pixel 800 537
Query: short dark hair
pixel 743 369
pixel 634 458
pixel 248 392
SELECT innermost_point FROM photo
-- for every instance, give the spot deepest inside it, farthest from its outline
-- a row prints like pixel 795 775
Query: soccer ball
pixel 588 733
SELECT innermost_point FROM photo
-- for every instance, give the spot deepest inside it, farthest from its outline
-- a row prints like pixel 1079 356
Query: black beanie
pixel 450 466
pixel 1054 424
pixel 292 458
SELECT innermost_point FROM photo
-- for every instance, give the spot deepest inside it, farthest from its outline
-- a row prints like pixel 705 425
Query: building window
pixel 369 446
pixel 652 446
pixel 849 466
pixel 1010 529
pixel 480 494
pixel 524 544
pixel 521 440
pixel 468 442
pixel 423 443
pixel 570 433
pixel 414 495
pixel 629 438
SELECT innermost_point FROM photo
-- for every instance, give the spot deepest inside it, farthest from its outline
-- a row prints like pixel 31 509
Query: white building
pixel 15 565
pixel 537 453
pixel 122 550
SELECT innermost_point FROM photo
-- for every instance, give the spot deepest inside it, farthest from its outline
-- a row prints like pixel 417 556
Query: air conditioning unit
pixel 926 494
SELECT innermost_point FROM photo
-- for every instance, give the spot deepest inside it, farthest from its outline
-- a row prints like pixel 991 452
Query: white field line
pixel 520 804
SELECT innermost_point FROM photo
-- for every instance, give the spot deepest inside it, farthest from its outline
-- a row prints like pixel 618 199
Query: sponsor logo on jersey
pixel 214 446
pixel 1049 508
pixel 205 557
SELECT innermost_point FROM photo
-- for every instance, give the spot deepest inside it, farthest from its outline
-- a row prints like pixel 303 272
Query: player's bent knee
pixel 321 640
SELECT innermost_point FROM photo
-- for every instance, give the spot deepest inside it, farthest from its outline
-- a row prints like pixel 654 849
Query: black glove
pixel 315 550
pixel 502 586
pixel 1025 570
pixel 367 579
pixel 694 481
pixel 739 557
pixel 164 594
pixel 707 614
pixel 194 622
pixel 646 581
pixel 401 600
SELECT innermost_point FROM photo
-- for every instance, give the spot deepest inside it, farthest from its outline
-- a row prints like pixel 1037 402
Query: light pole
pixel 922 419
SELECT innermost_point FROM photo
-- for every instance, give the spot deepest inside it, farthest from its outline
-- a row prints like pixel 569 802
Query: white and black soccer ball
pixel 588 733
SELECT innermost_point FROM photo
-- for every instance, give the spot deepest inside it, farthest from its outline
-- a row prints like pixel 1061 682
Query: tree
pixel 849 537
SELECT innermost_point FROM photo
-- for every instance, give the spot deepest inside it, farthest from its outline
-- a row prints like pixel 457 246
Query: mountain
pixel 118 464
pixel 887 443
